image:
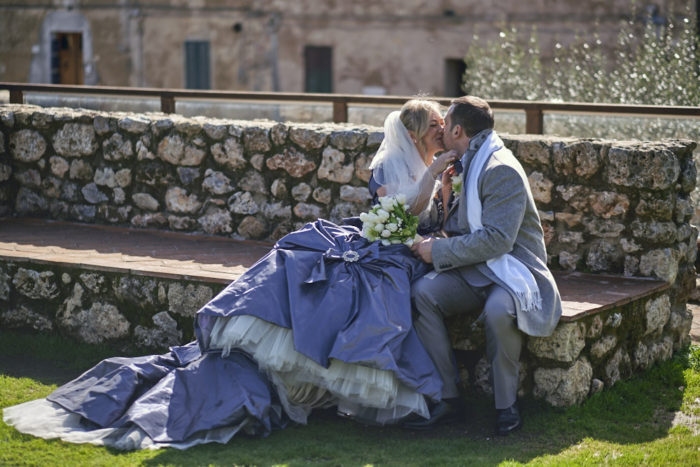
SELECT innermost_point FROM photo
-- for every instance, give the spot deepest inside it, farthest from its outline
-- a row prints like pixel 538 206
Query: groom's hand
pixel 424 249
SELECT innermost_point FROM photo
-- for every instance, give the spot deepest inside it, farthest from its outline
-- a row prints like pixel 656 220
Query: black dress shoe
pixel 445 411
pixel 508 420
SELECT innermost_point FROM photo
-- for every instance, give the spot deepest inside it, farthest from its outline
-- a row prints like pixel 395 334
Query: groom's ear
pixel 457 131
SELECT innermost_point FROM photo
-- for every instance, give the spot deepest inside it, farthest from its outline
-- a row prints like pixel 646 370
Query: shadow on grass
pixel 636 411
pixel 48 359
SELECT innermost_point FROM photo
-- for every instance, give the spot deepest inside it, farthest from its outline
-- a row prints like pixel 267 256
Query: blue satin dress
pixel 324 319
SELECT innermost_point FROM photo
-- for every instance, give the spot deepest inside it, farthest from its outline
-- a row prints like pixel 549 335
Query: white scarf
pixel 510 270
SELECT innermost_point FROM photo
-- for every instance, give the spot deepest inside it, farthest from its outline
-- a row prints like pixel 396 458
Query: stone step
pixel 191 257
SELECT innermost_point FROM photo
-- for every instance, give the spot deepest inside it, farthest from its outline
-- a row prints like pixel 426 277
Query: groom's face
pixel 448 136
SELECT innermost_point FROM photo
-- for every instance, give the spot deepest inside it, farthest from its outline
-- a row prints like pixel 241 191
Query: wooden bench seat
pixel 584 294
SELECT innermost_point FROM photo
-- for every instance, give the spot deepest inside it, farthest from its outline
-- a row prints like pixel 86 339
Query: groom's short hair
pixel 472 113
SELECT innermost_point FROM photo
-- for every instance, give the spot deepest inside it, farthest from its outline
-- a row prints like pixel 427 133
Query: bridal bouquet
pixel 390 222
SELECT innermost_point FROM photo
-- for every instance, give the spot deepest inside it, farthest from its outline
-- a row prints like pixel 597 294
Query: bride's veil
pixel 397 165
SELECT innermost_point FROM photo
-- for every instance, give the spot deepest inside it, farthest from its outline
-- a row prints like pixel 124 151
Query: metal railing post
pixel 534 121
pixel 340 111
pixel 16 96
pixel 167 103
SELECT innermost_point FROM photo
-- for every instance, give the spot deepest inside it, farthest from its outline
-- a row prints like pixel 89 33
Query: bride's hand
pixel 447 176
pixel 446 185
pixel 442 161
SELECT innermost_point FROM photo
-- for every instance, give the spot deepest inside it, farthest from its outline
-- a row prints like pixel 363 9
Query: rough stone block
pixel 216 221
pixel 256 140
pixel 216 183
pixel 564 345
pixel 162 335
pixel 187 300
pixel 97 324
pixel 35 284
pixel 563 387
pixel 27 145
pixel 618 367
pixel 647 168
pixel 295 163
pixel 178 201
pixel 333 168
pixel 307 138
pixel 657 314
pixel 254 228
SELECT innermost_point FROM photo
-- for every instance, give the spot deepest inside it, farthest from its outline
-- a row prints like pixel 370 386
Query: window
pixel 318 67
pixel 67 58
pixel 197 65
pixel 454 74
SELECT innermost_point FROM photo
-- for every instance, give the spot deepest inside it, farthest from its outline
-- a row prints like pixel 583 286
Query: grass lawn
pixel 649 420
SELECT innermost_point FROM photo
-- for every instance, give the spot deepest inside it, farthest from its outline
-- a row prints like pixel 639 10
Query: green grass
pixel 629 424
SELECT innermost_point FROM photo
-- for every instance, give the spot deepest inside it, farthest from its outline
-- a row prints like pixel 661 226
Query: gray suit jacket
pixel 510 225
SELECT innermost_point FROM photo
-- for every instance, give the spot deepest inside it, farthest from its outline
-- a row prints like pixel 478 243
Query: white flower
pixel 387 222
pixel 387 202
pixel 408 242
pixel 383 215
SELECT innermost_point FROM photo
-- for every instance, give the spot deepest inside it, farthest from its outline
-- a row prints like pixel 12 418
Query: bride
pixel 323 320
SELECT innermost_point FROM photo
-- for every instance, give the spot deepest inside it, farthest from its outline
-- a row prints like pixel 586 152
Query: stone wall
pixel 584 356
pixel 124 310
pixel 606 206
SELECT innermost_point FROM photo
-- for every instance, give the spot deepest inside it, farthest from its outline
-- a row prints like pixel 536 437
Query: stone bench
pixel 141 288
pixel 611 327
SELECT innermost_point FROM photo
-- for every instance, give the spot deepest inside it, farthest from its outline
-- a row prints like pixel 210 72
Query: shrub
pixel 652 63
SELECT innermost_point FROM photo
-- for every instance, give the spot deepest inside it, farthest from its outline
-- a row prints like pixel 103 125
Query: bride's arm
pixel 426 187
pixel 425 193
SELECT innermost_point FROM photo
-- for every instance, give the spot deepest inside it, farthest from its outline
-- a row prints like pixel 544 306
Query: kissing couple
pixel 329 318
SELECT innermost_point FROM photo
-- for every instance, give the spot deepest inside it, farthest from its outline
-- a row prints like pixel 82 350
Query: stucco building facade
pixel 398 47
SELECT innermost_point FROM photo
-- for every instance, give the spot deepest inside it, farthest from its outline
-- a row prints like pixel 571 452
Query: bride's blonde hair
pixel 415 116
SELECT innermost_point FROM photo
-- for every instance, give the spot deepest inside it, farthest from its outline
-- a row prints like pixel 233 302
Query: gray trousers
pixel 439 295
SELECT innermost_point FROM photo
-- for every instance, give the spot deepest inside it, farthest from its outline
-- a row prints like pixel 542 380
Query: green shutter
pixel 318 64
pixel 197 65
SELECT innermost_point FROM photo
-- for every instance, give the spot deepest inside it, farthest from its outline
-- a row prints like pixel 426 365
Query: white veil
pixel 397 165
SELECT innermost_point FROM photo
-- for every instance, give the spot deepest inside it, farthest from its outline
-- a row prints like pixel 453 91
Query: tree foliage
pixel 654 63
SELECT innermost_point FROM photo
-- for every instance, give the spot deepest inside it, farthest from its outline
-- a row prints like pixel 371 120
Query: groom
pixel 493 260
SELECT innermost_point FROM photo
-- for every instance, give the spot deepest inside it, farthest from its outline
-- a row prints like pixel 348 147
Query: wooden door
pixel 67 58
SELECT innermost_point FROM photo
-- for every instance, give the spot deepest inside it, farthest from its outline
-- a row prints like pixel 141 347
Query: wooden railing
pixel 534 110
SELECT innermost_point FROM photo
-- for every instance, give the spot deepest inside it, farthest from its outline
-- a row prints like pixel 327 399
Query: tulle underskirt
pixel 367 394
